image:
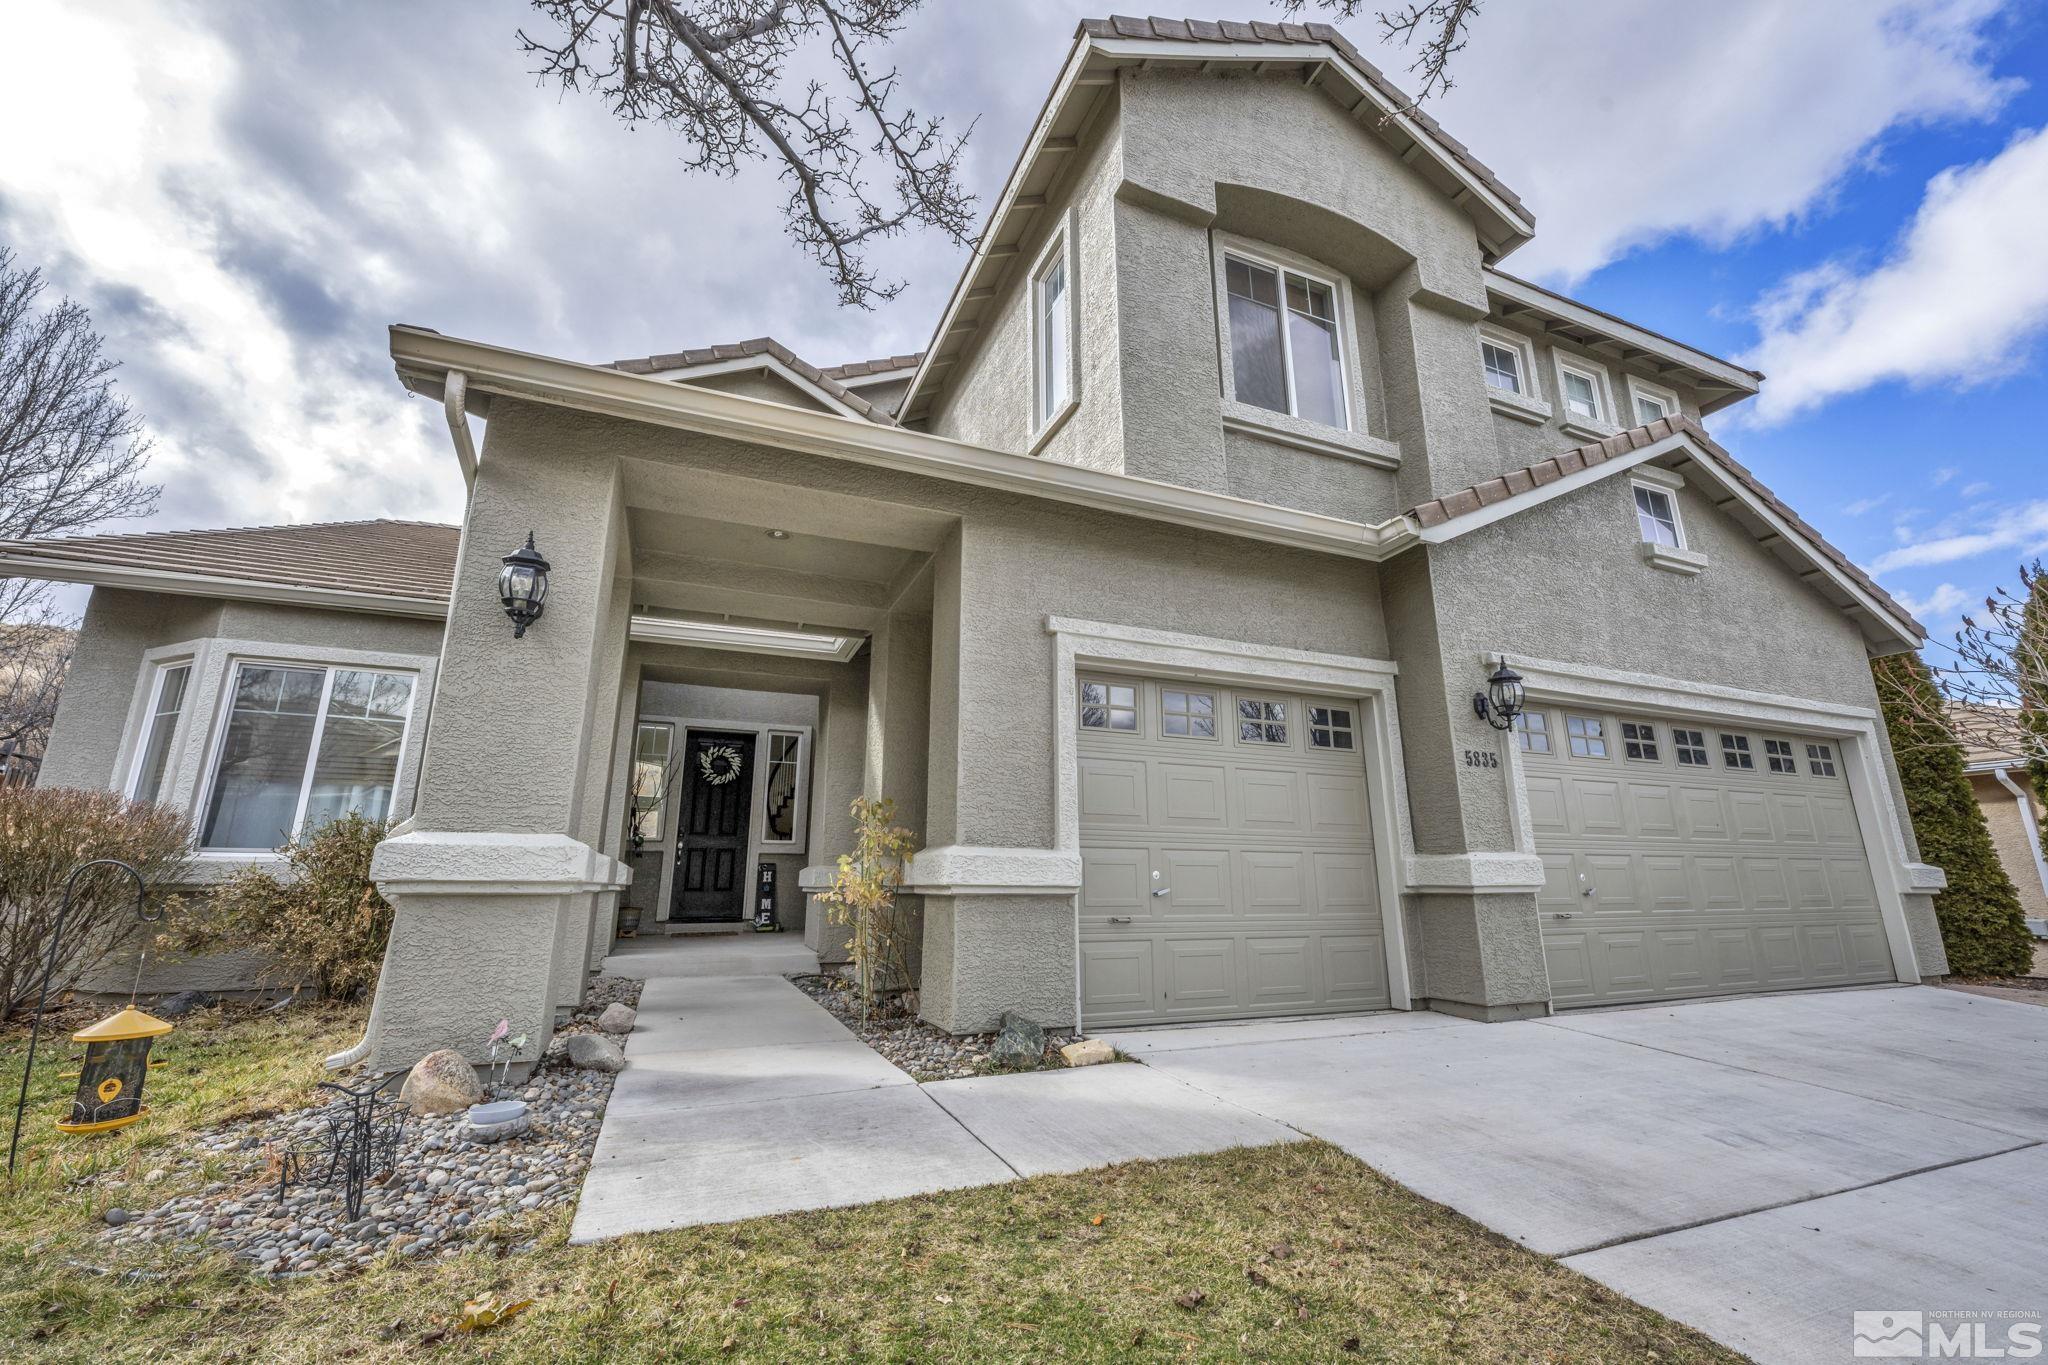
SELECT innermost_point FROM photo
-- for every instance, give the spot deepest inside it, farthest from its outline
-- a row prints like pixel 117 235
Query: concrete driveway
pixel 1759 1168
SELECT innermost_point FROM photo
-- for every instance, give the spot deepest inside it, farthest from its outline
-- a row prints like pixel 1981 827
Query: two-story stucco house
pixel 1156 593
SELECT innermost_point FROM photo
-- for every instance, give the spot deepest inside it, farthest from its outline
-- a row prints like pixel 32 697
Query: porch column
pixel 494 882
pixel 838 768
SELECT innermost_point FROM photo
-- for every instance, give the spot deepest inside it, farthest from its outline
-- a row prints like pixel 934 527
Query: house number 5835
pixel 1475 758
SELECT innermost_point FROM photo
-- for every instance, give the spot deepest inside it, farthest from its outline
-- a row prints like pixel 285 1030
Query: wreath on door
pixel 718 764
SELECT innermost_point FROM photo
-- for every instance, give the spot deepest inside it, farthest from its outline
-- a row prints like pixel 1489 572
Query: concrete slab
pixel 1042 1122
pixel 1181 1037
pixel 683 1167
pixel 1783 1285
pixel 684 1080
pixel 1940 1052
pixel 699 1014
pixel 1565 1140
pixel 699 955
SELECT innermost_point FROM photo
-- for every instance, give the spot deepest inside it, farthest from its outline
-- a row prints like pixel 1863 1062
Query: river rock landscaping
pixel 449 1191
pixel 927 1053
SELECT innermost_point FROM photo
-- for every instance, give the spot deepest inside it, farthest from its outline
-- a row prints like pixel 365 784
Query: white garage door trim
pixel 1158 653
pixel 1893 870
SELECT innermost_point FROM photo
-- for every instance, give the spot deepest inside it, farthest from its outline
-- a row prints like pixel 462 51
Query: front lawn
pixel 1282 1254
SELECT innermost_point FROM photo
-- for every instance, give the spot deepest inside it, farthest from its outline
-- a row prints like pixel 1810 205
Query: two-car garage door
pixel 1683 858
pixel 1227 858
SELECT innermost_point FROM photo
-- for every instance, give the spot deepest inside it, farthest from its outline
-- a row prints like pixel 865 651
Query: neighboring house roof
pixel 371 565
pixel 760 353
pixel 1775 525
pixel 1101 47
pixel 1982 731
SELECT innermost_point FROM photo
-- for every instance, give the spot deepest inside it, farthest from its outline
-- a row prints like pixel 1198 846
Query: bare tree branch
pixel 1995 689
pixel 1441 25
pixel 71 457
pixel 715 72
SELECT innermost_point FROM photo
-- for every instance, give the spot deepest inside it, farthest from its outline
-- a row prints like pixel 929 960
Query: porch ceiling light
pixel 1501 702
pixel 523 586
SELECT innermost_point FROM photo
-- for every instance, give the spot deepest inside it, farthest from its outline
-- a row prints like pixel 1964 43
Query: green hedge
pixel 1981 923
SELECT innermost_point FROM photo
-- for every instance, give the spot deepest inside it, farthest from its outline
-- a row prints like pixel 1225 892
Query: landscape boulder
pixel 1088 1052
pixel 441 1083
pixel 1019 1042
pixel 595 1052
pixel 617 1018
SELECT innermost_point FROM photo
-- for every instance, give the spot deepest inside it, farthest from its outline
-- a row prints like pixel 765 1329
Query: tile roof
pixel 747 350
pixel 405 559
pixel 859 368
pixel 1259 31
pixel 1515 482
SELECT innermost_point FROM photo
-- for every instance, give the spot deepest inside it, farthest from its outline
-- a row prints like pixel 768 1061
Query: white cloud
pixel 1623 124
pixel 2021 529
pixel 1945 600
pixel 1863 505
pixel 1976 490
pixel 1958 301
pixel 1944 475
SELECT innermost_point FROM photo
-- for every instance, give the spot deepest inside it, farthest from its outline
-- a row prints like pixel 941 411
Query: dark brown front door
pixel 711 841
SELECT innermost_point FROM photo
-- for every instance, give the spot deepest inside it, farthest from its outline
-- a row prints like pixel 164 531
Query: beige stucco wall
pixel 2011 837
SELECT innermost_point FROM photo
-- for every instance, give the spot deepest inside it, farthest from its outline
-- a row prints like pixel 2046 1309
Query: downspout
pixel 454 402
pixel 2033 827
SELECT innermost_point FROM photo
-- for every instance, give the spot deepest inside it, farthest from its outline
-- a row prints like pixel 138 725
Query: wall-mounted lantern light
pixel 1501 702
pixel 523 586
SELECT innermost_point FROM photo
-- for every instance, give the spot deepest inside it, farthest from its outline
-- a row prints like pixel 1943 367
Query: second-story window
pixel 1052 324
pixel 1285 351
pixel 1656 518
pixel 1503 366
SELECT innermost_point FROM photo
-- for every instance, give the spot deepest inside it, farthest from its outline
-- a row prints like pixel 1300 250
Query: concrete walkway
pixel 743 1097
pixel 1759 1168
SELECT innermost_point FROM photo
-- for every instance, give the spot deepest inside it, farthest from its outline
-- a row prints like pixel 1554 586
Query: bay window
pixel 301 746
pixel 167 704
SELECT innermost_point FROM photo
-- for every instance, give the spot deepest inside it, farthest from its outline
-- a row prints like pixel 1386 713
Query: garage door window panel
pixel 1109 706
pixel 1329 727
pixel 1639 741
pixel 1586 736
pixel 1820 760
pixel 1778 756
pixel 1187 715
pixel 1532 732
pixel 1735 753
pixel 1261 722
pixel 1690 746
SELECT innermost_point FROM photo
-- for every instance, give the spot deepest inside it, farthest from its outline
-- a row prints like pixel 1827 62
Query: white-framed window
pixel 301 745
pixel 153 756
pixel 1586 736
pixel 1287 351
pixel 781 788
pixel 1735 752
pixel 1330 727
pixel 1651 401
pixel 1052 331
pixel 653 753
pixel 1187 715
pixel 1820 758
pixel 1261 722
pixel 1532 731
pixel 1690 747
pixel 1582 393
pixel 1778 756
pixel 1657 516
pixel 1505 364
pixel 1639 741
pixel 1109 706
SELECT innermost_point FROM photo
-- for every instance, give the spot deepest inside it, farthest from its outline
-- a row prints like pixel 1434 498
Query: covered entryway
pixel 1226 851
pixel 1684 858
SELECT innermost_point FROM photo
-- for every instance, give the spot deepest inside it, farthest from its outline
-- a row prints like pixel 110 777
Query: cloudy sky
pixel 1847 194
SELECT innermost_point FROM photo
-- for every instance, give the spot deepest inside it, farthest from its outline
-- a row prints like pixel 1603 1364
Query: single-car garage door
pixel 1226 853
pixel 1685 858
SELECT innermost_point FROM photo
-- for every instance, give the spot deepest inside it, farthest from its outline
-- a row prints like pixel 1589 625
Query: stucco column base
pixel 478 919
pixel 987 954
pixel 1925 930
pixel 1479 955
pixel 828 940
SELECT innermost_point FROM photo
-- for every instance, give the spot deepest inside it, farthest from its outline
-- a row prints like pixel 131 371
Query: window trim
pixel 1060 242
pixel 223 707
pixel 1352 441
pixel 1603 394
pixel 1670 496
pixel 158 671
pixel 1527 406
pixel 1643 388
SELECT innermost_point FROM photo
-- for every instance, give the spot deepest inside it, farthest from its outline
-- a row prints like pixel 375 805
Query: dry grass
pixel 1297 1253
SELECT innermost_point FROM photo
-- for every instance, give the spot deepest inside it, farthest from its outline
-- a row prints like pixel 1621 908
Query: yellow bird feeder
pixel 116 1063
